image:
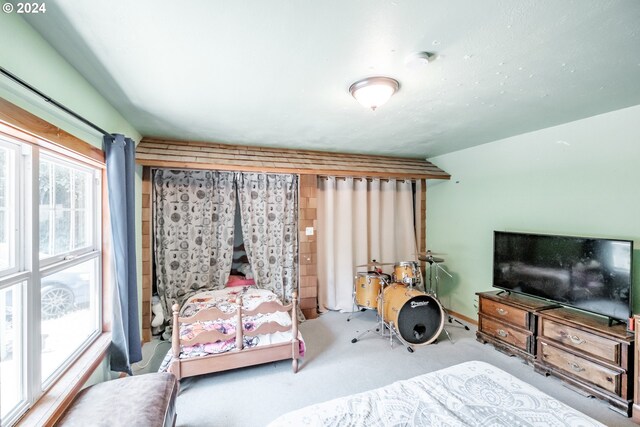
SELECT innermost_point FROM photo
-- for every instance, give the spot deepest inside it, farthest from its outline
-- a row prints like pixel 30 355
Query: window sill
pixel 50 407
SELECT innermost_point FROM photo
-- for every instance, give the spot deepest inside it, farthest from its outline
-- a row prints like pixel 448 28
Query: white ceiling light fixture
pixel 372 92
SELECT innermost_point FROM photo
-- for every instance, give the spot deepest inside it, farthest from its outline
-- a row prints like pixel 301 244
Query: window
pixel 50 269
pixel 8 211
pixel 65 215
pixel 12 385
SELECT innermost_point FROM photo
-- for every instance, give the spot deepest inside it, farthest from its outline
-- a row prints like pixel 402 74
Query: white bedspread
pixel 469 394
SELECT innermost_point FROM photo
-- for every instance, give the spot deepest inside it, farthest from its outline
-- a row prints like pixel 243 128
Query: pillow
pixel 239 281
pixel 246 270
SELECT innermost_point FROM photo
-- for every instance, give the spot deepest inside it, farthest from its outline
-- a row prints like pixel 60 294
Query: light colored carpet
pixel 334 367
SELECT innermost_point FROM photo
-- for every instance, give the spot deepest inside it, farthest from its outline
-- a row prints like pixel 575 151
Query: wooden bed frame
pixel 238 357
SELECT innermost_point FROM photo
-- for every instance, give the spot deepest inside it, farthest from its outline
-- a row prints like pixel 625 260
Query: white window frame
pixel 16 196
pixel 95 235
pixel 29 268
pixel 21 281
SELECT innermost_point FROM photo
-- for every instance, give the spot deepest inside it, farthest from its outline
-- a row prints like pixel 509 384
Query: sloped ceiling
pixel 277 73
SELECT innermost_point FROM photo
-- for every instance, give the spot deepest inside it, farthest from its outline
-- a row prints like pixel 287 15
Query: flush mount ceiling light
pixel 372 92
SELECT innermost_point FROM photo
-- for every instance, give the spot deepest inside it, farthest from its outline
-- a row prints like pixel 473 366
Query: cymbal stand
pixel 437 278
pixel 420 279
pixel 380 324
pixel 355 307
pixel 435 294
pixel 431 291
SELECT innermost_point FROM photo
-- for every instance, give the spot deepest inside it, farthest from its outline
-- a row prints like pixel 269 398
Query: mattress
pixel 469 394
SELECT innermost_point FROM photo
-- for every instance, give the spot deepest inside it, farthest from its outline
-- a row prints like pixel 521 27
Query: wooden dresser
pixel 586 353
pixel 508 322
pixel 636 372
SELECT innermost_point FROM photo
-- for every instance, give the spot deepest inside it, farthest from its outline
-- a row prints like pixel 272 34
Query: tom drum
pixel 417 317
pixel 406 272
pixel 368 286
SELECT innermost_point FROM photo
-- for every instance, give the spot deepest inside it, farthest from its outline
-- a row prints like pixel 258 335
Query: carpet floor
pixel 334 366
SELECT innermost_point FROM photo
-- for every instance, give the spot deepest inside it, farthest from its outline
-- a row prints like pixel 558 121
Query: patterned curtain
pixel 194 217
pixel 269 216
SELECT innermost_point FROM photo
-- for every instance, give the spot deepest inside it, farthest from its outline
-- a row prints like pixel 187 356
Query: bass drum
pixel 417 317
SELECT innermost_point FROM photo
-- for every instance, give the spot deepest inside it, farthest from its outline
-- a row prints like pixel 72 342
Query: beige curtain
pixel 360 220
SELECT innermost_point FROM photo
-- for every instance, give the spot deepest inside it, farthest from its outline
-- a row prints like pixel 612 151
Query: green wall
pixel 580 178
pixel 26 54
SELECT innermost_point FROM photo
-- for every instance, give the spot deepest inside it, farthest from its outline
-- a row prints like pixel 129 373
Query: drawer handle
pixel 576 339
pixel 501 311
pixel 502 333
pixel 575 367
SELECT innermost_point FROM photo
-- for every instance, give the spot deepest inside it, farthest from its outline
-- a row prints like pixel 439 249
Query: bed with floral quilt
pixel 206 337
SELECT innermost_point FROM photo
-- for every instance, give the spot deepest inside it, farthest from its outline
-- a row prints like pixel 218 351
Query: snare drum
pixel 368 287
pixel 406 272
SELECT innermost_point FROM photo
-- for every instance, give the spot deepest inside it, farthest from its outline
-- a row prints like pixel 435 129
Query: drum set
pixel 413 316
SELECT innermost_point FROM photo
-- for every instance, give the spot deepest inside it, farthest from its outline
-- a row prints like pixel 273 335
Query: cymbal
pixel 430 253
pixel 375 263
pixel 430 259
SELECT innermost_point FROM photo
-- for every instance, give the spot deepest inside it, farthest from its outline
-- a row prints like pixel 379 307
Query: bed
pixel 206 337
pixel 469 394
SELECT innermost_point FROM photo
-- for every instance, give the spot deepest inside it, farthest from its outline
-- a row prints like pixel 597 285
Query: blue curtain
pixel 125 341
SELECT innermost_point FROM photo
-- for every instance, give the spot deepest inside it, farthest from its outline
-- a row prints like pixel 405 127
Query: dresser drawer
pixel 581 340
pixel 506 313
pixel 576 366
pixel 506 333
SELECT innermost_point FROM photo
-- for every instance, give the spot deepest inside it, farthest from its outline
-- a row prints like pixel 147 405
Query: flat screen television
pixel 581 272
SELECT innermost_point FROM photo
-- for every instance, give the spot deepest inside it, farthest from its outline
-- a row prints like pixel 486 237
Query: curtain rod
pixel 365 178
pixel 52 101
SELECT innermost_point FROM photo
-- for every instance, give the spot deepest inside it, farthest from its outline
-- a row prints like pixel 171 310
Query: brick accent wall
pixel 146 254
pixel 308 251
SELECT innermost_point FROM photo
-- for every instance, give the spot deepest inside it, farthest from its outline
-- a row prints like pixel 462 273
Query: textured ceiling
pixel 277 73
